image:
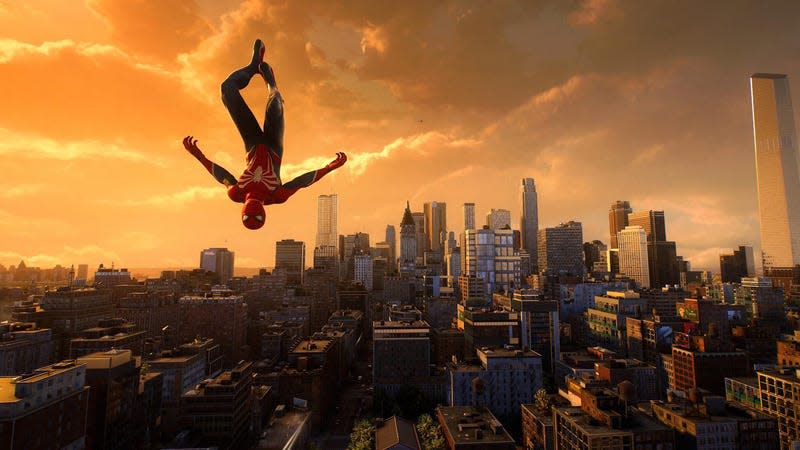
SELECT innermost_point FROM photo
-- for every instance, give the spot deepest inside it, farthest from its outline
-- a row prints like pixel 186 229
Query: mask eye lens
pixel 260 218
pixel 245 217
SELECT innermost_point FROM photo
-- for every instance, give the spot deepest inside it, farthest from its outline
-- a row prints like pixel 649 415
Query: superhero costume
pixel 260 183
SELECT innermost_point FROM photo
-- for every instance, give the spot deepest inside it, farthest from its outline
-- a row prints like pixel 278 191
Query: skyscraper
pixel 776 170
pixel 469 216
pixel 291 255
pixel 617 220
pixel 737 265
pixel 391 239
pixel 498 218
pixel 219 261
pixel 561 249
pixel 529 222
pixel 419 227
pixel 435 224
pixel 633 261
pixel 327 211
pixel 661 254
pixel 408 242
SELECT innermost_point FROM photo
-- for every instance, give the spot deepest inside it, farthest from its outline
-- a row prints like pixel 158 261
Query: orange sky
pixel 597 100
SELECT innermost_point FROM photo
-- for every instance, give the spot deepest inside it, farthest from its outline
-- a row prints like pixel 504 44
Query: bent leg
pixel 241 114
pixel 273 122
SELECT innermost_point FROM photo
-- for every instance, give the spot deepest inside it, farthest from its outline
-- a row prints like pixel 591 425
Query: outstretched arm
pixel 308 178
pixel 219 173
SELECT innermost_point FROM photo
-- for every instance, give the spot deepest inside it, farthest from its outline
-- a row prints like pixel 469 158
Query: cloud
pixel 359 162
pixel 66 256
pixel 154 28
pixel 33 146
pixel 19 190
pixel 176 199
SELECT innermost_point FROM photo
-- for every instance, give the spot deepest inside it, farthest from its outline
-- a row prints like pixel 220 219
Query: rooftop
pixel 468 425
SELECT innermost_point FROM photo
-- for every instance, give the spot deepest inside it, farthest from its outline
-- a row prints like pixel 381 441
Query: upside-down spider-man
pixel 260 184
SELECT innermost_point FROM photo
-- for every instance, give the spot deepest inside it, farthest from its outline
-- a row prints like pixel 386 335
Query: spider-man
pixel 260 184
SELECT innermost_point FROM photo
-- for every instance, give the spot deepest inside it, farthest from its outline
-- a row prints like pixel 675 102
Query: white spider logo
pixel 259 175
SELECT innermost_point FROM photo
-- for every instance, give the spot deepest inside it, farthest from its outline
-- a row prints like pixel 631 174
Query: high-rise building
pixel 113 377
pixel 408 242
pixel 529 222
pixel 661 254
pixel 419 227
pixel 391 239
pixel 497 219
pixel 776 169
pixel 83 272
pixel 327 212
pixel 738 265
pixel 489 255
pixel 435 225
pixel 362 269
pixel 561 249
pixel 291 256
pixel 469 216
pixel 633 260
pixel 617 219
pixel 219 261
pixel 221 316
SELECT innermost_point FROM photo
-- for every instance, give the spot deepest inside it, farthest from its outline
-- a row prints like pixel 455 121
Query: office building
pixel 776 169
pixel 219 261
pixel 704 361
pixel 617 220
pixel 408 243
pixel 45 409
pixel 710 423
pixel 497 219
pixel 778 392
pixel 362 270
pixel 419 228
pixel 469 216
pixel 661 254
pixel 290 255
pixel 67 312
pixel 561 249
pixel 151 311
pixel 501 381
pixel 435 225
pixel 220 409
pixel 23 347
pixel 607 319
pixel 108 334
pixel 738 265
pixel 327 220
pixel 220 315
pixel 114 380
pixel 529 222
pixel 633 257
pixel 539 325
pixel 401 353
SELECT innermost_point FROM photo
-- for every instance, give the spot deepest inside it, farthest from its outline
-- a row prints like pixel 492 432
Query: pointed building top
pixel 408 219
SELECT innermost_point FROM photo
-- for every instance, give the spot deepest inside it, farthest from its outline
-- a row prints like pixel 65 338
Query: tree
pixel 430 435
pixel 542 400
pixel 363 435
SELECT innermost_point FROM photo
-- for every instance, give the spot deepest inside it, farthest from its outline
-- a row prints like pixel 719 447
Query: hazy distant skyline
pixel 596 100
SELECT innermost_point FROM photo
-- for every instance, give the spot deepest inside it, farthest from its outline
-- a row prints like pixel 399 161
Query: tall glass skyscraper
pixel 327 210
pixel 776 169
pixel 218 260
pixel 529 223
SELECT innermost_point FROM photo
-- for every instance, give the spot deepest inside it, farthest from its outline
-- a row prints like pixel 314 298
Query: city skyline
pixel 95 172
